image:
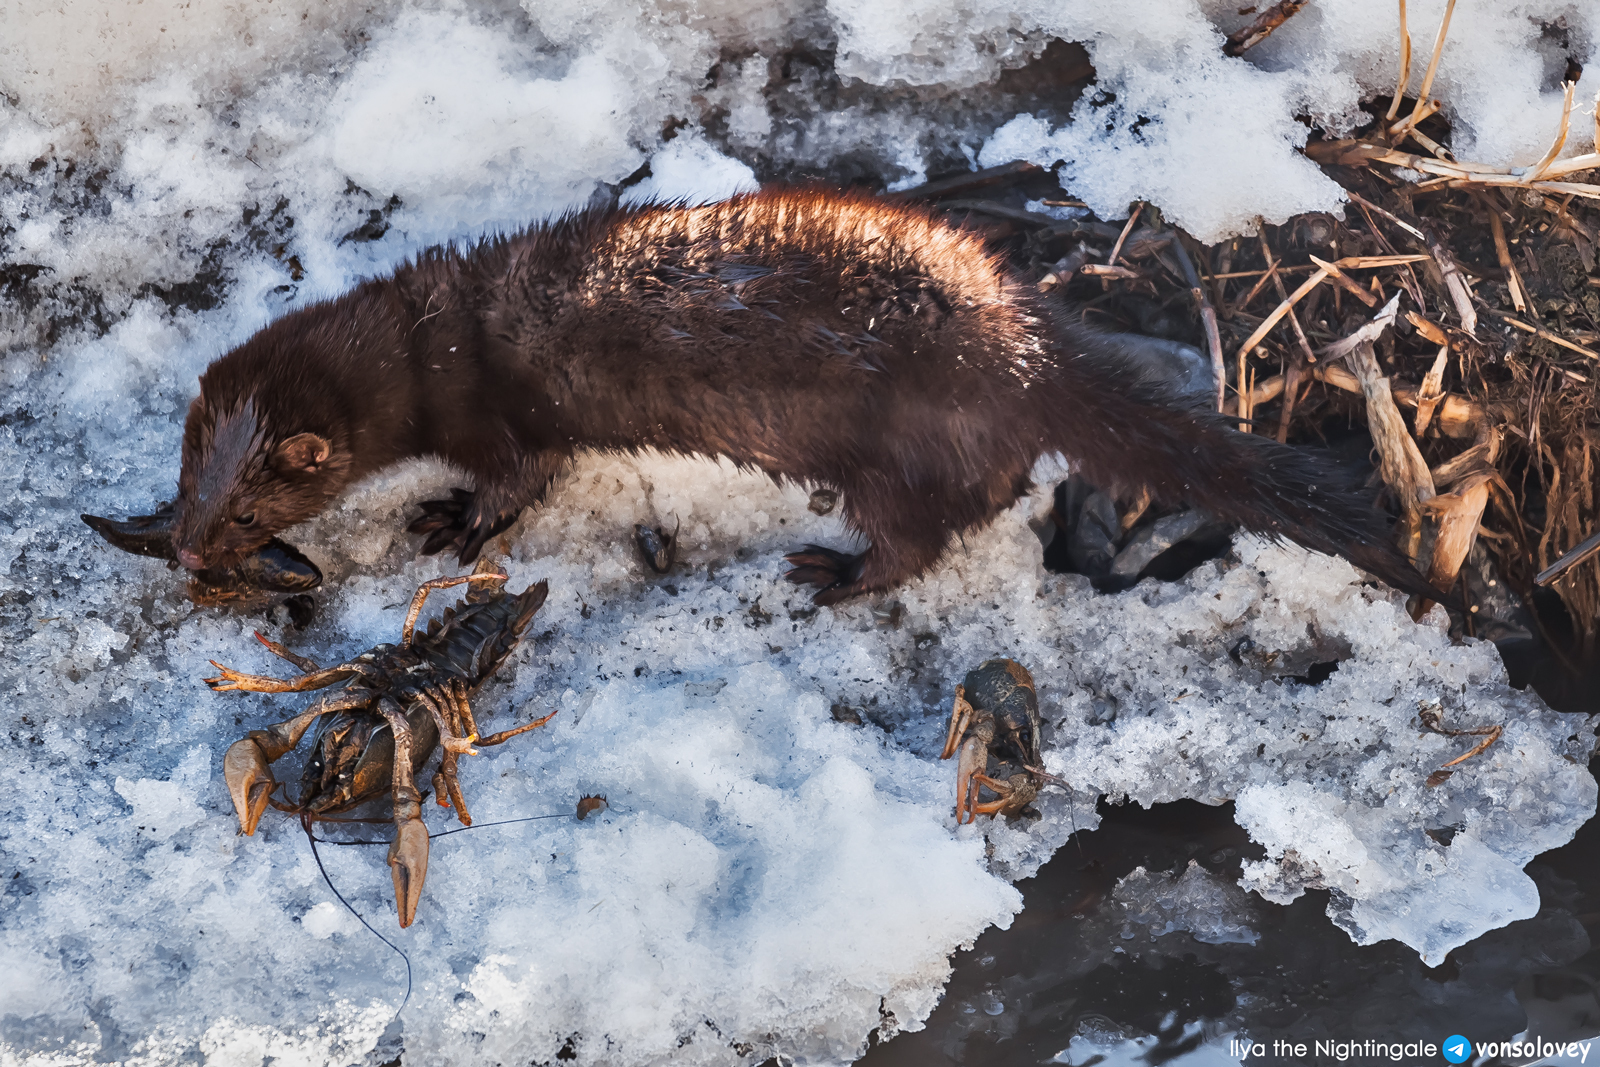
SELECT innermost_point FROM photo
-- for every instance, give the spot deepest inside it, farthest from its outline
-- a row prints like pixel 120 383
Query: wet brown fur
pixel 826 338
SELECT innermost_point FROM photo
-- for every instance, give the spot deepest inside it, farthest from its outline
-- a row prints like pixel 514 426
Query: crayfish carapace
pixel 402 702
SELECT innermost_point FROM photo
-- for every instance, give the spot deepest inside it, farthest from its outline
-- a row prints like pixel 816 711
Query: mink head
pixel 244 478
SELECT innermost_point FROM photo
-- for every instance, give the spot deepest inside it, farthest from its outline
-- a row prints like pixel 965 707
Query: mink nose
pixel 190 559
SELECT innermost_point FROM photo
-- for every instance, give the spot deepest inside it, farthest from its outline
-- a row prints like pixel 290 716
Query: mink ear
pixel 304 453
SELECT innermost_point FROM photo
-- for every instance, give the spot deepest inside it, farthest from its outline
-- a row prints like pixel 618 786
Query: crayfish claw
pixel 408 862
pixel 226 682
pixel 970 767
pixel 250 782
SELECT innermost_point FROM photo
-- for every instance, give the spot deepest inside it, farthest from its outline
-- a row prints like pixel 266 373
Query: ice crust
pixel 767 879
pixel 1194 901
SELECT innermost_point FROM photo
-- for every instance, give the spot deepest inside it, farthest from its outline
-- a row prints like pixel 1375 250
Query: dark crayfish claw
pixel 143 535
pixel 659 548
pixel 277 567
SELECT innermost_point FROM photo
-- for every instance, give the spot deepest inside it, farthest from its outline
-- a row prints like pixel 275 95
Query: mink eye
pixel 247 519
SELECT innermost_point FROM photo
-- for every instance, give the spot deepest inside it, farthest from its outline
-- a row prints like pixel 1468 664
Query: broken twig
pixel 1241 41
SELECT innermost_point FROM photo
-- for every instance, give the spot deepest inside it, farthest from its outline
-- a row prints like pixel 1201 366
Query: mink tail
pixel 1144 433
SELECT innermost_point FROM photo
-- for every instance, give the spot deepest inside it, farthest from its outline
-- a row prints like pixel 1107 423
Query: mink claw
pixel 837 574
pixel 442 514
pixel 438 541
pixel 482 530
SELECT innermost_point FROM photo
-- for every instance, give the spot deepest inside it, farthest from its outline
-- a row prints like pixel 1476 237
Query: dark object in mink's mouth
pixel 276 567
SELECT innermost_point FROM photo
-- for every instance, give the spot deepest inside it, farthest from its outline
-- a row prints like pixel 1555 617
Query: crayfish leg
pixel 505 735
pixel 1014 795
pixel 457 690
pixel 449 725
pixel 448 788
pixel 231 680
pixel 485 572
pixel 309 666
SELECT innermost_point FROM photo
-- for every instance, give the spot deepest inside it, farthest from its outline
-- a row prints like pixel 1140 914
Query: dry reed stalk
pixel 1427 329
pixel 1262 392
pixel 1433 62
pixel 1555 339
pixel 1391 216
pixel 1456 416
pixel 1502 252
pixel 1570 165
pixel 1454 283
pixel 1127 228
pixel 1590 192
pixel 1280 311
pixel 1431 392
pixel 1261 283
pixel 1208 316
pixel 1363 262
pixel 1242 40
pixel 1407 127
pixel 1549 158
pixel 1457 514
pixel 1367 334
pixel 1107 270
pixel 1399 460
pixel 1294 377
pixel 1461 175
pixel 1424 140
pixel 1492 735
pixel 1257 273
pixel 1480 456
pixel 1246 409
pixel 1283 294
pixel 1348 263
pixel 1342 280
pixel 1405 67
pixel 1433 721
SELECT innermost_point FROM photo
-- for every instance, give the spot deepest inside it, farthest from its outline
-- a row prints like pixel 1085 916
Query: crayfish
pixel 402 702
pixel 996 712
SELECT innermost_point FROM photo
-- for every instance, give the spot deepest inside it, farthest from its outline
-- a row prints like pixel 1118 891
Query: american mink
pixel 823 337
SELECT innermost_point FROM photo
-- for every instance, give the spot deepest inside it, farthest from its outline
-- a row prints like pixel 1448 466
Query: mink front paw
pixel 837 574
pixel 460 524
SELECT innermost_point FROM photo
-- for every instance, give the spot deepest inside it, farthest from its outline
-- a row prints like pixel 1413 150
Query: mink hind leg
pixel 465 522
